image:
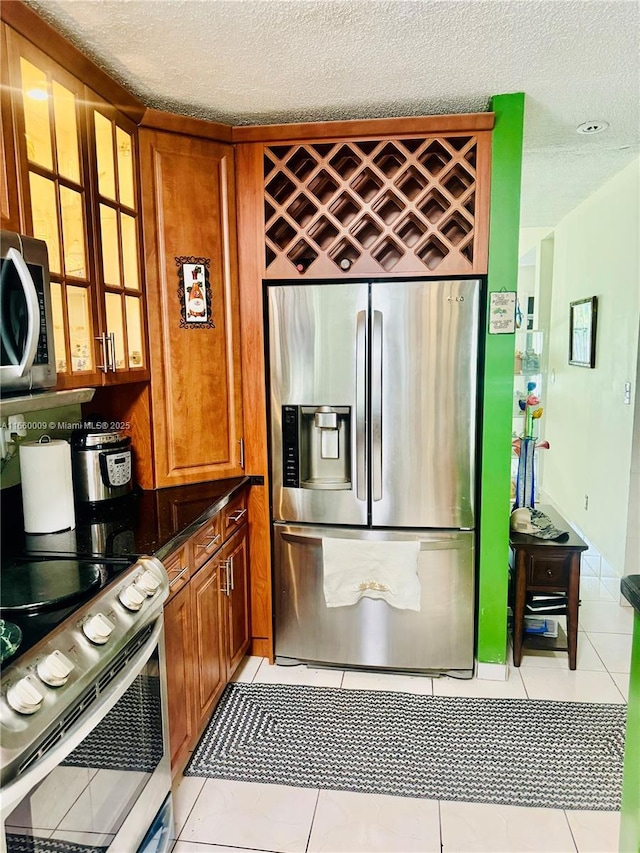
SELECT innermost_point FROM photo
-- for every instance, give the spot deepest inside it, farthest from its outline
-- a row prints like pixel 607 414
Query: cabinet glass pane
pixel 110 255
pixel 66 132
pixel 79 328
pixel 72 232
pixel 115 325
pixel 125 167
pixel 134 331
pixel 129 251
pixel 45 217
pixel 35 92
pixel 104 156
pixel 58 326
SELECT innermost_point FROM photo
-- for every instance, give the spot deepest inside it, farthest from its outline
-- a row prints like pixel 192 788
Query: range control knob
pixel 55 669
pixel 98 629
pixel 24 696
pixel 148 582
pixel 131 597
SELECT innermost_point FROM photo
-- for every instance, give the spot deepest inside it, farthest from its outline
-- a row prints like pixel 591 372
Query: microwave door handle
pixel 33 311
pixel 6 332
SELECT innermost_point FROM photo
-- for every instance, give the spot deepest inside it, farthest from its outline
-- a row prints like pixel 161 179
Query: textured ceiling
pixel 276 61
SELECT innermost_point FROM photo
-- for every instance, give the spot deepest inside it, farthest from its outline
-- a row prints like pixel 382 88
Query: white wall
pixel 632 559
pixel 597 252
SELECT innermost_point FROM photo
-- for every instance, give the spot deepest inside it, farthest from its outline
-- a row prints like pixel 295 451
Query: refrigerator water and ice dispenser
pixel 316 447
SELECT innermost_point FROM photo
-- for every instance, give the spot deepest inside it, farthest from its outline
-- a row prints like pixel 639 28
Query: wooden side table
pixel 544 566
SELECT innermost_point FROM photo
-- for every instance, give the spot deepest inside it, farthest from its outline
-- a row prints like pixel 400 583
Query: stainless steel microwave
pixel 26 323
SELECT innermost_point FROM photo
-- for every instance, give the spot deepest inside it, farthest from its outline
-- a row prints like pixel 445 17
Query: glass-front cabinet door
pixel 53 178
pixel 116 214
pixel 77 177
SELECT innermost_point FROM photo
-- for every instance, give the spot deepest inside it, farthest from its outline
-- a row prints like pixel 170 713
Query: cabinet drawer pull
pixel 212 541
pixel 236 516
pixel 549 573
pixel 175 580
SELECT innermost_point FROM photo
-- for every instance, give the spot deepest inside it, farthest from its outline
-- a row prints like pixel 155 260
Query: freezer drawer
pixel 371 633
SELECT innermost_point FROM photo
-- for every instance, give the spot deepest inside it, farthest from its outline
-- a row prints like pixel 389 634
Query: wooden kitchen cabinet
pixel 71 179
pixel 179 651
pixel 9 203
pixel 195 651
pixel 340 200
pixel 234 579
pixel 210 664
pixel 196 392
pixel 207 622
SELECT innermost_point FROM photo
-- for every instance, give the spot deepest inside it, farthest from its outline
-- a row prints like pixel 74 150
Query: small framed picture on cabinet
pixel 194 292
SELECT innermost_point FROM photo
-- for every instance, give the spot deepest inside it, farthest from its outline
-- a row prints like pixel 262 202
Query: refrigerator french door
pixel 373 423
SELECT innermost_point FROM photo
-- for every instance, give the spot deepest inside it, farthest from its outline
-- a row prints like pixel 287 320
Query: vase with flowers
pixel 525 447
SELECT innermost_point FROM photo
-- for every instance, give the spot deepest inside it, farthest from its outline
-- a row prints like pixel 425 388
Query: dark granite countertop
pixel 153 522
pixel 630 588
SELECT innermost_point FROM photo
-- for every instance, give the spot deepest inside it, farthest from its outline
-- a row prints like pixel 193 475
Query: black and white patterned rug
pixel 563 755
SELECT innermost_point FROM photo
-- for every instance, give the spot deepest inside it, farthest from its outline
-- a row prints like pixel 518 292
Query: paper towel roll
pixel 47 487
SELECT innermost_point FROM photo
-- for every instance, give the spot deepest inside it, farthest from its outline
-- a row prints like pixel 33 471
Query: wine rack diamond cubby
pixel 375 207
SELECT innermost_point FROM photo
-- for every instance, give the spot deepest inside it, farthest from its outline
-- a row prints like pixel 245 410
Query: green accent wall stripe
pixel 630 811
pixel 497 392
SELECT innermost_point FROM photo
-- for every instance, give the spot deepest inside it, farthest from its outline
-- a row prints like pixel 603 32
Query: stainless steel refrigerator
pixel 372 395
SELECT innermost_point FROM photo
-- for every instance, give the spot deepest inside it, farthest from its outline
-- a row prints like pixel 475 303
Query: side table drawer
pixel 548 573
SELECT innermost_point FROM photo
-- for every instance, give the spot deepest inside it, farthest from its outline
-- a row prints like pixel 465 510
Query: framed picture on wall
pixel 582 332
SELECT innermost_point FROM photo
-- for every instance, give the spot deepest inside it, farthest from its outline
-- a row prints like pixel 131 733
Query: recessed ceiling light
pixel 590 127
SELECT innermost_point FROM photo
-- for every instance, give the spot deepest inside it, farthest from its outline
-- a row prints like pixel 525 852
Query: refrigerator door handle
pixel 376 405
pixel 361 406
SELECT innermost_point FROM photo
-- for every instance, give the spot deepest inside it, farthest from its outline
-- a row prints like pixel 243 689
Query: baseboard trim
pixel 492 671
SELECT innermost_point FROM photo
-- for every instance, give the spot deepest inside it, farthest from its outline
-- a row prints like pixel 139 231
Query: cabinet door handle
pixel 241 443
pixel 231 573
pixel 549 573
pixel 105 355
pixel 236 516
pixel 177 577
pixel 112 343
pixel 225 565
pixel 212 541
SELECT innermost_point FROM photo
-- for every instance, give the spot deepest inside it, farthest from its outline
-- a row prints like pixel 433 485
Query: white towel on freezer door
pixel 354 568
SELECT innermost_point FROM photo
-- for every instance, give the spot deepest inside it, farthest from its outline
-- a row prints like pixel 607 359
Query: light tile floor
pixel 214 815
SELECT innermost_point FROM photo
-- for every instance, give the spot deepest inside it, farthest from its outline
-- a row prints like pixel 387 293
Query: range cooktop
pixel 38 593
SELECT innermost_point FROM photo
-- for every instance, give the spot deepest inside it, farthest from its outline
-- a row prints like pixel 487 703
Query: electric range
pixel 84 686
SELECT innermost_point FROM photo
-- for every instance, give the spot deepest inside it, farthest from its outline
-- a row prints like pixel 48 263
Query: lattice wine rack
pixel 371 207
